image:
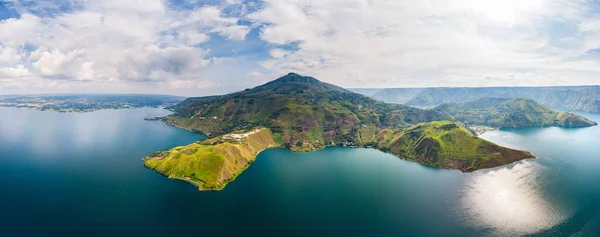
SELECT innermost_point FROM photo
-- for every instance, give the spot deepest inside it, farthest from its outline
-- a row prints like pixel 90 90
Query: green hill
pixel 213 163
pixel 510 113
pixel 304 114
pixel 567 98
pixel 446 145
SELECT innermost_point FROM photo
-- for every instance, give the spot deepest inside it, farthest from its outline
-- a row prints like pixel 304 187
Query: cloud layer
pixel 194 48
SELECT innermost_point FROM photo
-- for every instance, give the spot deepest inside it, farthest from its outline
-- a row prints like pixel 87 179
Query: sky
pixel 205 47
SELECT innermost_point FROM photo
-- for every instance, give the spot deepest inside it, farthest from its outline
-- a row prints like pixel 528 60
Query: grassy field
pixel 211 164
pixel 446 144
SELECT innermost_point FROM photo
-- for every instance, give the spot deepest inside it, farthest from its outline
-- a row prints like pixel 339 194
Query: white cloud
pixel 111 41
pixel 254 74
pixel 10 54
pixel 234 32
pixel 86 71
pixel 278 53
pixel 52 63
pixel 423 43
pixel 24 28
pixel 146 45
pixel 179 84
pixel 13 72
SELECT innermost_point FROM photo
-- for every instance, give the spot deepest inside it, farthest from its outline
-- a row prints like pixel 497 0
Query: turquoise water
pixel 82 175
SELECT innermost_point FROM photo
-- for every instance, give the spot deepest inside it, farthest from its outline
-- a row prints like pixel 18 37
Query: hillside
pixel 446 145
pixel 213 163
pixel 304 114
pixel 365 91
pixel 574 98
pixel 397 95
pixel 510 113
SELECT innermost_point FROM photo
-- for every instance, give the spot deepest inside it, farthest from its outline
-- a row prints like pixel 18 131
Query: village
pixel 240 136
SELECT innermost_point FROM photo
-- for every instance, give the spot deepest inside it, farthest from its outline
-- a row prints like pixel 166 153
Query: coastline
pixel 74 111
pixel 233 155
pixel 481 129
pixel 448 164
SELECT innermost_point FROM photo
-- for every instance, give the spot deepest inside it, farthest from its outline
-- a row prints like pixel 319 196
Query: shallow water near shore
pixel 82 174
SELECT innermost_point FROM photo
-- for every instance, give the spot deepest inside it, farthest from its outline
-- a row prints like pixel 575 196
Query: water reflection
pixel 509 201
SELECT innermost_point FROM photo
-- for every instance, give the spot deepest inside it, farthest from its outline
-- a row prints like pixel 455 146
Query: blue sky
pixel 195 48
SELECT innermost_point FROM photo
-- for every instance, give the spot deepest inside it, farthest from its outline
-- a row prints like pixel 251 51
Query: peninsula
pixel 305 114
pixel 212 163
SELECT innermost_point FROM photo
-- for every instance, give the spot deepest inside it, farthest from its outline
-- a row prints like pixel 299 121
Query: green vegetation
pixel 447 145
pixel 308 114
pixel 567 98
pixel 213 163
pixel 512 112
pixel 304 114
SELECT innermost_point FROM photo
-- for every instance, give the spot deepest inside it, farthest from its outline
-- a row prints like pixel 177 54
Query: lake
pixel 81 174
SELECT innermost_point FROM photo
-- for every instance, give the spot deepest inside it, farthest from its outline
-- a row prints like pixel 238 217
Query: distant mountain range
pixel 511 113
pixel 566 98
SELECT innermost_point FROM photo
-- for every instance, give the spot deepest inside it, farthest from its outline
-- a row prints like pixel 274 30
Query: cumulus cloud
pixel 113 40
pixel 254 74
pixel 16 71
pixel 137 45
pixel 431 43
pixel 178 84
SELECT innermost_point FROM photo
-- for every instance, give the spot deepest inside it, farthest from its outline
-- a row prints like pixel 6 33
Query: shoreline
pixel 479 130
pixel 224 183
pixel 231 179
pixel 77 111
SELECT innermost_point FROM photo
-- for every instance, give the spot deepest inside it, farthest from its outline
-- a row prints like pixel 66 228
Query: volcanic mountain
pixel 305 114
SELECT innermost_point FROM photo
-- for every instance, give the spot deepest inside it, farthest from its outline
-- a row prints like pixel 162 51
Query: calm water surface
pixel 82 174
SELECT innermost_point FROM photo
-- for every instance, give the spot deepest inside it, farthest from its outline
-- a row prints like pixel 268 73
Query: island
pixel 80 103
pixel 304 114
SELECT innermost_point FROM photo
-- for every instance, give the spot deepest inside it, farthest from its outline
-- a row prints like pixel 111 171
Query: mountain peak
pixel 294 81
pixel 294 77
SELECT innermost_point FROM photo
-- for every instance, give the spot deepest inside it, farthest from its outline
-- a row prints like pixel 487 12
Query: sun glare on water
pixel 508 201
